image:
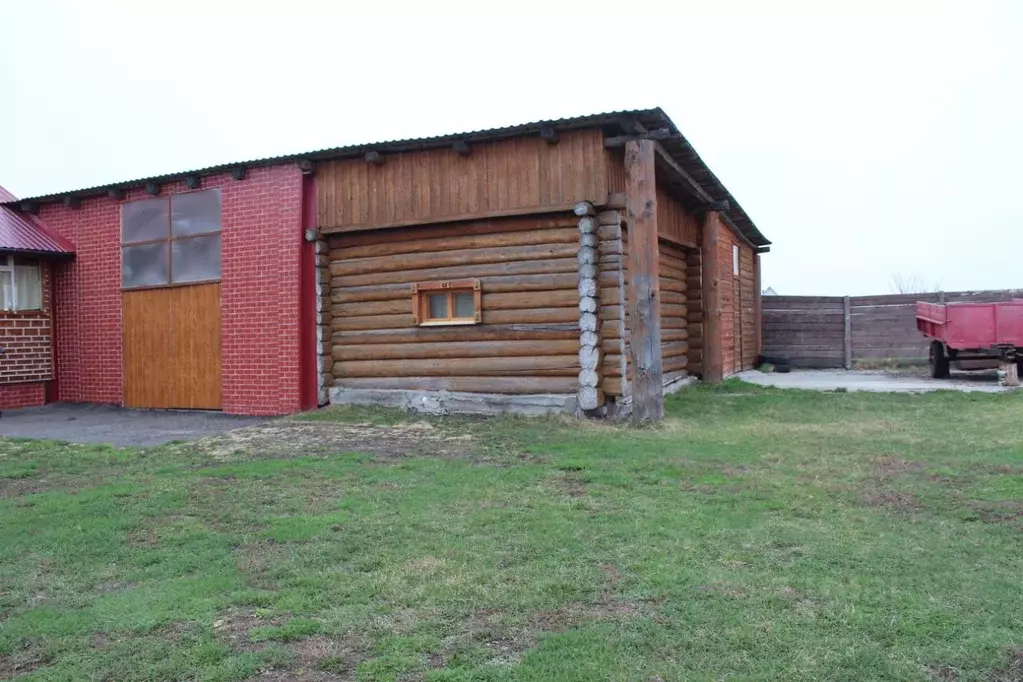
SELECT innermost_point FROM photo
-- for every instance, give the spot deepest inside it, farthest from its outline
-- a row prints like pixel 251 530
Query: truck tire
pixel 939 361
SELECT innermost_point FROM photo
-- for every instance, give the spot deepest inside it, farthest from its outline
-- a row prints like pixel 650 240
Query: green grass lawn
pixel 757 534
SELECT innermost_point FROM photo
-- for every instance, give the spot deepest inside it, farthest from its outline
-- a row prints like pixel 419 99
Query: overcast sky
pixel 883 139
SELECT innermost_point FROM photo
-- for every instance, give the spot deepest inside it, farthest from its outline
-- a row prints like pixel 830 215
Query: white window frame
pixel 7 270
pixel 735 259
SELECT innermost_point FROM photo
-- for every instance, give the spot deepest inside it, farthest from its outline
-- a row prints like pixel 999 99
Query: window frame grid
pixel 169 239
pixel 422 291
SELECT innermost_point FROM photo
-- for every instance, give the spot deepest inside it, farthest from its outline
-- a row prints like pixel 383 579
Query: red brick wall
pixel 262 239
pixel 26 361
pixel 13 396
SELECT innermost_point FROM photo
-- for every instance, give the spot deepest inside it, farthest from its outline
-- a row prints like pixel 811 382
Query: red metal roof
pixel 27 235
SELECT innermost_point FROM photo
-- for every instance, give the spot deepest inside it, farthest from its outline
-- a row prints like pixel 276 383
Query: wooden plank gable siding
pixel 528 341
pixel 516 176
pixel 674 223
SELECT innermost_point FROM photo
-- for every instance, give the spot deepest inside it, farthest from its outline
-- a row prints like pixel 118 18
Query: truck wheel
pixel 939 361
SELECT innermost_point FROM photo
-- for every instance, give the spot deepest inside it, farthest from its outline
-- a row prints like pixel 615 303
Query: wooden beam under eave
pixel 665 161
pixel 622 140
pixel 644 294
pixel 710 259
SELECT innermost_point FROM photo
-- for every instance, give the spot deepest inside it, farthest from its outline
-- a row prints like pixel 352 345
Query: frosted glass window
pixel 144 265
pixel 195 213
pixel 144 220
pixel 28 286
pixel 465 305
pixel 6 289
pixel 21 284
pixel 439 306
pixel 195 259
pixel 175 254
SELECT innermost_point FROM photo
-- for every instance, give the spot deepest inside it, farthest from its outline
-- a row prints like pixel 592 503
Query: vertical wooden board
pixel 512 178
pixel 737 337
pixel 614 169
pixel 147 336
pixel 325 196
pixel 596 169
pixel 195 347
pixel 343 205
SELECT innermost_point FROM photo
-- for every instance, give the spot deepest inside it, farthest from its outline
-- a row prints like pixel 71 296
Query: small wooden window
pixel 451 302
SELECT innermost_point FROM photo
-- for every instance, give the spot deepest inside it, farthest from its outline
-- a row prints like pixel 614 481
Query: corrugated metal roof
pixel 677 146
pixel 19 233
pixel 6 196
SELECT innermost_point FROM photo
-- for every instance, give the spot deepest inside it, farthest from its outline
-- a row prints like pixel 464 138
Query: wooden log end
pixel 587 304
pixel 584 208
pixel 587 256
pixel 589 357
pixel 588 271
pixel 588 322
pixel 588 287
pixel 588 225
pixel 589 339
pixel 590 398
pixel 588 239
pixel 589 378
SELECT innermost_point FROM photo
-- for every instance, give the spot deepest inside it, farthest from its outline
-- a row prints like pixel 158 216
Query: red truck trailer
pixel 974 336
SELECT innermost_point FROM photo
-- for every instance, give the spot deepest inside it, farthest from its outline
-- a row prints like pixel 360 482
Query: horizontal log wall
pixel 694 293
pixel 810 330
pixel 528 341
pixel 615 321
pixel 674 310
pixel 438 185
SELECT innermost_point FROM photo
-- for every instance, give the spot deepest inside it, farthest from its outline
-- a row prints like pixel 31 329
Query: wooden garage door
pixel 172 347
pixel 170 274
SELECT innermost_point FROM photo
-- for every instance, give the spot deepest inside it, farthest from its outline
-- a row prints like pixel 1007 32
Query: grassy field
pixel 757 534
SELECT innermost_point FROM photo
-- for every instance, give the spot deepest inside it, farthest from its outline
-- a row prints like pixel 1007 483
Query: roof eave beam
pixel 669 164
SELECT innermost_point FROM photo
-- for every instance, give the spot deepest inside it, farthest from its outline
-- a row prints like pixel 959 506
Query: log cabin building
pixel 583 264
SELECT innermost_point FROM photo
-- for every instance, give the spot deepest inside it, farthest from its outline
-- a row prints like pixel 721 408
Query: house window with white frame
pixel 21 283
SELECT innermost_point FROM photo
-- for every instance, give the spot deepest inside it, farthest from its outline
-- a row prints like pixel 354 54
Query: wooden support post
pixel 644 282
pixel 847 342
pixel 1010 372
pixel 713 348
pixel 758 305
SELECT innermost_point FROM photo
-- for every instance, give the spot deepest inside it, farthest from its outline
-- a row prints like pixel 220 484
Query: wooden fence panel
pixel 807 330
pixel 810 331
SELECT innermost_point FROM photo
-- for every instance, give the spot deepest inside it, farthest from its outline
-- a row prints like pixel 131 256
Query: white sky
pixel 865 139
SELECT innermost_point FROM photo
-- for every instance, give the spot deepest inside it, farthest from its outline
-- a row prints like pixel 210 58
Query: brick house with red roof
pixel 28 254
